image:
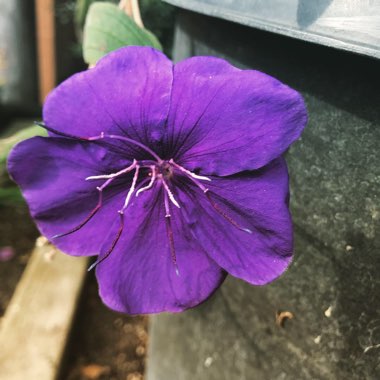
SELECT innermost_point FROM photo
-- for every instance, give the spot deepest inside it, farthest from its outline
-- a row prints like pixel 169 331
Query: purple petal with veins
pixel 171 174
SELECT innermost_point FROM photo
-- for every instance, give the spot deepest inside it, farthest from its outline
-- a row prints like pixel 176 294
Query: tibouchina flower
pixel 171 174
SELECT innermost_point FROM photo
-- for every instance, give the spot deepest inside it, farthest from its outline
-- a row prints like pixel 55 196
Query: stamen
pixel 59 133
pixel 131 190
pixel 167 206
pixel 207 194
pixel 100 137
pixel 114 175
pixel 188 172
pixel 169 193
pixel 193 177
pixel 113 245
pixel 227 217
pixel 150 184
pixel 123 138
pixel 92 213
pixel 121 213
pixel 86 220
pixel 169 233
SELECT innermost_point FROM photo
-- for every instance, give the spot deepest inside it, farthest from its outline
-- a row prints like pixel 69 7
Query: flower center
pixel 166 170
pixel 159 172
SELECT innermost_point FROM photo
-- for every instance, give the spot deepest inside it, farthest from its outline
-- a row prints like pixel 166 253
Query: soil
pixel 18 232
pixel 104 345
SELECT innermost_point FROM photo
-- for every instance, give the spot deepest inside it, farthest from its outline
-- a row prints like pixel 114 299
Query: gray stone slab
pixel 333 286
pixel 352 25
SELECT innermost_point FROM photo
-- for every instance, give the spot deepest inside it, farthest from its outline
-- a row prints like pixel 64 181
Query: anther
pixel 127 139
pixel 91 214
pixel 188 172
pixel 150 184
pixel 193 177
pixel 132 188
pixel 169 233
pixel 170 194
pixel 100 137
pixel 219 210
pixel 114 175
pixel 113 245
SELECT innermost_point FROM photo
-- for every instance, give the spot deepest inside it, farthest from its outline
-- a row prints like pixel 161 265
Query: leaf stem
pixel 132 9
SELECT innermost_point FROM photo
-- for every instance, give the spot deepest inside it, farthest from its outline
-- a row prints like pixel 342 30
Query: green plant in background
pixel 157 15
pixel 108 28
pixel 9 193
pixel 7 143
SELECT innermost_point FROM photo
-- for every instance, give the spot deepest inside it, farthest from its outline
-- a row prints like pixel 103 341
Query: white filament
pixel 131 190
pixel 170 194
pixel 114 175
pixel 150 184
pixel 188 172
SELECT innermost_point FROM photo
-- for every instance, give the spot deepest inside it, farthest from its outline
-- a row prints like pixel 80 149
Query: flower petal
pixel 126 93
pixel 224 120
pixel 139 275
pixel 257 201
pixel 51 173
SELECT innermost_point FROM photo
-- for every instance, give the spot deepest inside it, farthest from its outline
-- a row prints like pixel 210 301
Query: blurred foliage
pixel 10 196
pixel 157 16
pixel 64 11
pixel 81 9
pixel 108 28
pixel 6 144
pixel 9 193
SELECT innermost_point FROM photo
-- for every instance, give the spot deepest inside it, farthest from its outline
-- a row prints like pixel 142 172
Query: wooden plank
pixel 35 328
pixel 45 26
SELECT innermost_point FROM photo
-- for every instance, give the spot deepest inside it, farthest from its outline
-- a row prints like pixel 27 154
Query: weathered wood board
pixel 34 330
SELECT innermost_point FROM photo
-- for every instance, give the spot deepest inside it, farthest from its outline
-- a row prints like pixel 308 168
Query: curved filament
pixel 194 178
pixel 113 245
pixel 101 137
pixel 169 233
pixel 78 227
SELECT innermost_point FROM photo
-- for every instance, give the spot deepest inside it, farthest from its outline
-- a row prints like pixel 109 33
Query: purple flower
pixel 173 175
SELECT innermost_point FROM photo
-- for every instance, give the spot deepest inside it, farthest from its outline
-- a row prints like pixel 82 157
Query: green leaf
pixel 108 28
pixel 6 144
pixel 10 195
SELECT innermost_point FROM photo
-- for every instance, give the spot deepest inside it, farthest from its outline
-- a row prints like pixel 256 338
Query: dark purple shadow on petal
pixel 52 175
pixel 256 200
